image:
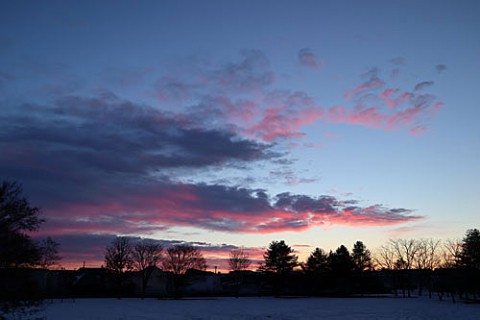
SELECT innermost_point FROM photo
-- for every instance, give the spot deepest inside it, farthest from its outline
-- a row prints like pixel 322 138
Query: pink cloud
pixel 284 114
pixel 372 84
pixel 418 130
pixel 245 111
pixel 280 123
pixel 406 96
pixel 211 207
pixel 388 109
pixel 438 105
pixel 367 116
pixel 404 117
pixel 387 93
pixel 337 114
pixel 239 96
pixel 370 117
pixel 392 103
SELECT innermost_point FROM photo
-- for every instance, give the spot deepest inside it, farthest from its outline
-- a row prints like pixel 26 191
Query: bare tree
pixel 452 253
pixel 427 254
pixel 239 260
pixel 180 258
pixel 118 259
pixel 118 256
pixel 48 253
pixel 405 254
pixel 385 257
pixel 426 260
pixel 405 251
pixel 146 255
pixel 16 214
pixel 17 219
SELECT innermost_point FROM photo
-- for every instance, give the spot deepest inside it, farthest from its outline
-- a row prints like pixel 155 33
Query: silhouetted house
pixel 92 282
pixel 241 283
pixel 158 284
pixel 199 282
pixel 54 283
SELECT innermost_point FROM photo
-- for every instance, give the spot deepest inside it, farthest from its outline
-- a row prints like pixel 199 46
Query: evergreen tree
pixel 470 254
pixel 361 257
pixel 279 258
pixel 340 261
pixel 317 261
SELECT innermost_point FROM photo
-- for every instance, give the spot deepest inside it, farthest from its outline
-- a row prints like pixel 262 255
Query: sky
pixel 229 124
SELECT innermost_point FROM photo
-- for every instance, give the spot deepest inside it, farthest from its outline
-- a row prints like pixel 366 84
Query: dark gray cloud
pixel 397 61
pixel 440 68
pixel 307 58
pixel 85 149
pixel 303 203
pixel 423 85
pixel 120 136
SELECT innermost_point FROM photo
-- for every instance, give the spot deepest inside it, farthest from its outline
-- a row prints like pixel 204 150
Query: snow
pixel 261 308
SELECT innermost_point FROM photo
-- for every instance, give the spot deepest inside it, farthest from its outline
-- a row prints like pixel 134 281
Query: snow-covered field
pixel 261 308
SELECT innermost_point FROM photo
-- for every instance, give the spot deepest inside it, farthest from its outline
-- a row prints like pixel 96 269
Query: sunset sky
pixel 236 123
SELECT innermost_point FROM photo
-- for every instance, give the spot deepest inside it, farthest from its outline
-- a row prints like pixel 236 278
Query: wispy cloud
pixel 423 85
pixel 284 116
pixel 371 84
pixel 440 68
pixel 243 96
pixel 307 58
pixel 378 106
pixel 251 73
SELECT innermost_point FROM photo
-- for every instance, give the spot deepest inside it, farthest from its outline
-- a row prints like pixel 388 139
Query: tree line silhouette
pixel 401 266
